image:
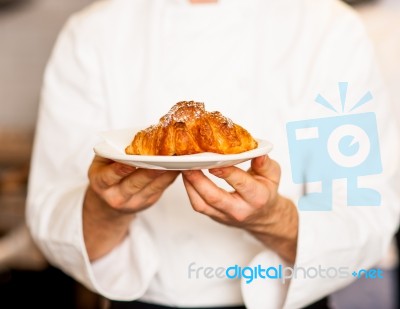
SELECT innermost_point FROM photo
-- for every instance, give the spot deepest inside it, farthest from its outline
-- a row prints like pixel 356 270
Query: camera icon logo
pixel 326 149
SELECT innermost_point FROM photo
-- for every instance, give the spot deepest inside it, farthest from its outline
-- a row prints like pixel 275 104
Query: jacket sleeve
pixel 72 111
pixel 347 238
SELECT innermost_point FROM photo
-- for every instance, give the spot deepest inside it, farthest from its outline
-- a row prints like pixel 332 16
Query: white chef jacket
pixel 124 63
pixel 382 22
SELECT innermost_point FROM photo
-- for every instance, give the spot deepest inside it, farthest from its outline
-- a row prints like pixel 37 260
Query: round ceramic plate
pixel 115 142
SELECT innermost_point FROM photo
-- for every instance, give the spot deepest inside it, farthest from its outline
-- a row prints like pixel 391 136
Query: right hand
pixel 125 188
pixel 115 193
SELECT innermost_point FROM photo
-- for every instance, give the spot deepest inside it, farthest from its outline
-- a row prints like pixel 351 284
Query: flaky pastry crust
pixel 188 129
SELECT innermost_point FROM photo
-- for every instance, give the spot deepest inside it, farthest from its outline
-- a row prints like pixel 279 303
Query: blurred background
pixel 28 29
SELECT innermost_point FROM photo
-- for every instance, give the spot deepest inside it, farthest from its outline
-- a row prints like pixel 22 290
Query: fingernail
pixel 216 172
pixel 159 172
pixel 126 169
pixel 260 161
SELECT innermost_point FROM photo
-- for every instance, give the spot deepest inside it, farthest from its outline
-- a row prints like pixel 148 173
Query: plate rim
pixel 199 157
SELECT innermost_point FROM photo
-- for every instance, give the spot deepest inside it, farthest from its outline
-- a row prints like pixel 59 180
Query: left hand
pixel 255 205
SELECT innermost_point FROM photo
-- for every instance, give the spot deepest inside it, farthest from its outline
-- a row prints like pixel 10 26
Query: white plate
pixel 115 142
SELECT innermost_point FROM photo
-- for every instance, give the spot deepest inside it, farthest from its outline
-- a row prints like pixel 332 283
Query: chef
pixel 145 237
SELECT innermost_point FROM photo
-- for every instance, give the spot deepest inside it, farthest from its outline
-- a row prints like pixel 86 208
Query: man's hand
pixel 116 192
pixel 255 205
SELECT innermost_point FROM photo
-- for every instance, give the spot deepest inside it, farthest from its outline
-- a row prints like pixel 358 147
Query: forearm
pixel 103 227
pixel 279 230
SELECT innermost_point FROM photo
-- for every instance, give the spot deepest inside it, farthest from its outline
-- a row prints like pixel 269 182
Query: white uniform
pixel 124 63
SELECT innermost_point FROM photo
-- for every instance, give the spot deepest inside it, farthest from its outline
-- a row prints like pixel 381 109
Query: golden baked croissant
pixel 187 129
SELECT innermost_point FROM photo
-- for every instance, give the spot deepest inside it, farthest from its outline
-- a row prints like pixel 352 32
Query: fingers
pixel 198 202
pixel 266 167
pixel 128 188
pixel 255 191
pixel 158 185
pixel 209 192
pixel 136 181
pixel 208 199
pixel 246 185
pixel 141 197
pixel 104 173
pixel 254 187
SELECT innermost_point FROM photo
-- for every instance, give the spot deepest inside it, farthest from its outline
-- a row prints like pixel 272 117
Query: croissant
pixel 188 129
